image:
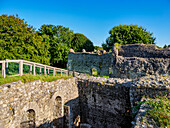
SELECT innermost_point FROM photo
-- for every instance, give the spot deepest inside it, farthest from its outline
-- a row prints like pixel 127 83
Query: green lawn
pixel 28 78
pixel 94 73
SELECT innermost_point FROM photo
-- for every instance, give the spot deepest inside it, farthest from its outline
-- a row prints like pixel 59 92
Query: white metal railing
pixel 32 70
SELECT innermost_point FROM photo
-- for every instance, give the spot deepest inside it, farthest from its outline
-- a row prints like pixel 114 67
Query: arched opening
pixel 94 72
pixel 28 119
pixel 58 119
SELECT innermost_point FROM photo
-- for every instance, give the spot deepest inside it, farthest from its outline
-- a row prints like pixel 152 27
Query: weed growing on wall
pixel 160 112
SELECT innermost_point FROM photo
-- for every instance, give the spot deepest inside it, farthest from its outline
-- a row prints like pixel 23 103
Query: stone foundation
pixel 83 101
pixel 38 104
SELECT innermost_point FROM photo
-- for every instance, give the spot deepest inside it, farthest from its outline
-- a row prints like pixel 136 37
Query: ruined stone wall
pixel 144 51
pixel 126 61
pixel 90 101
pixel 87 61
pixel 38 103
pixel 107 103
pixel 104 105
pixel 133 67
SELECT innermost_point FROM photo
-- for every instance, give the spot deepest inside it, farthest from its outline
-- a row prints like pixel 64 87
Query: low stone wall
pixel 109 102
pixel 104 105
pixel 39 103
pixel 141 121
pixel 83 101
pixel 143 51
pixel 133 67
pixel 149 86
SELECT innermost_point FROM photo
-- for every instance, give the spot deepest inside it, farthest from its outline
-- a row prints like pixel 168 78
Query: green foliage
pixel 28 78
pixel 79 42
pixel 165 46
pixel 18 40
pixel 136 108
pixel 106 47
pixel 49 45
pixel 98 48
pixel 59 54
pixel 104 76
pixel 128 34
pixel 60 42
pixel 160 112
pixel 159 47
pixel 13 68
pixel 94 71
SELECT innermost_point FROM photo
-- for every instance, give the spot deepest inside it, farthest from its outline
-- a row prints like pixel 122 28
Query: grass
pixel 28 78
pixel 104 76
pixel 94 73
pixel 160 111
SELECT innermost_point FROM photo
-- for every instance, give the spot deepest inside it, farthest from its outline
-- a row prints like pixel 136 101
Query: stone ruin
pixel 90 102
pixel 85 102
pixel 125 61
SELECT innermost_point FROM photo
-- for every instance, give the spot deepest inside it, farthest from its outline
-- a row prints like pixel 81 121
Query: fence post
pixel 30 69
pixel 6 67
pixel 40 70
pixel 34 69
pixel 48 71
pixel 54 72
pixel 3 69
pixel 21 68
pixel 61 72
pixel 45 70
pixel 67 73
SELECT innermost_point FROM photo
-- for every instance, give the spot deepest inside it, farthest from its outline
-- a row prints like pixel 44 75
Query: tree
pixel 165 46
pixel 98 48
pixel 79 42
pixel 128 34
pixel 18 40
pixel 60 42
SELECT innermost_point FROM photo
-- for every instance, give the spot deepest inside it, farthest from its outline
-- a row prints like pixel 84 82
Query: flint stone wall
pixel 107 103
pixel 134 67
pixel 128 61
pixel 99 102
pixel 144 51
pixel 17 98
pixel 104 105
pixel 141 121
pixel 86 61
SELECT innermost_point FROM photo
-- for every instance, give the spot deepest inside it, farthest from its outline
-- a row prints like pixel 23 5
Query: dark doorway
pixel 29 119
pixel 58 119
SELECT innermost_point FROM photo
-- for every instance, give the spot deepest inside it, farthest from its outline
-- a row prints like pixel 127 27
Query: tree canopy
pixel 79 42
pixel 18 40
pixel 128 34
pixel 98 48
pixel 60 42
pixel 49 45
pixel 165 46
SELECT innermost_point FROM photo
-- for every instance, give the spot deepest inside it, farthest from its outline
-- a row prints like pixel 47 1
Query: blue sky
pixel 94 18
